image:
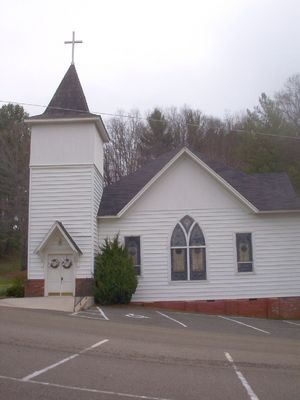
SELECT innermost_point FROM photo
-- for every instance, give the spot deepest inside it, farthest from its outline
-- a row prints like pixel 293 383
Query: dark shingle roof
pixel 267 192
pixel 69 237
pixel 69 100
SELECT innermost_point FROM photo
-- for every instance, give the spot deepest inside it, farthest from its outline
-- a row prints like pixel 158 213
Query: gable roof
pixel 60 227
pixel 260 192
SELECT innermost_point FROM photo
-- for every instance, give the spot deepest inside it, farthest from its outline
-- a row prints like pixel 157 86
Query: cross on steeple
pixel 72 42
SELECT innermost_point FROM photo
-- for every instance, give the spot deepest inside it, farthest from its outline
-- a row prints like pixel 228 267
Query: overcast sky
pixel 214 55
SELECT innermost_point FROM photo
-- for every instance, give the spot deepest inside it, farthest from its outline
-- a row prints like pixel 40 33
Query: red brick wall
pixel 34 287
pixel 289 307
pixel 84 287
pixel 278 307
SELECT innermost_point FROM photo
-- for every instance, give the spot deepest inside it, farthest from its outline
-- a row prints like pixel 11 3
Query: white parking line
pixel 91 312
pixel 241 377
pixel 85 316
pixel 292 323
pixel 242 323
pixel 93 346
pixel 83 389
pixel 41 371
pixel 102 313
pixel 173 319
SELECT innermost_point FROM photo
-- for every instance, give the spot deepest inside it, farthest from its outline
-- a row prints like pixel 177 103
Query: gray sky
pixel 214 55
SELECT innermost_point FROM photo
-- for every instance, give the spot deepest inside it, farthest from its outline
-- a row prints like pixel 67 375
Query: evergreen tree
pixel 266 118
pixel 156 138
pixel 115 276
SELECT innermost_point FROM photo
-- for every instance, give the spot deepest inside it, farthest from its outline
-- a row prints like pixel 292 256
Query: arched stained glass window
pixel 196 236
pixel 178 237
pixel 188 252
pixel 187 222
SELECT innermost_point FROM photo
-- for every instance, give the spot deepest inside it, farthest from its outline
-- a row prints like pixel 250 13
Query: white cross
pixel 72 42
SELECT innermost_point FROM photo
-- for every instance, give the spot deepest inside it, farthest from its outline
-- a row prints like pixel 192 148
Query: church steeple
pixel 66 181
pixel 69 99
pixel 69 104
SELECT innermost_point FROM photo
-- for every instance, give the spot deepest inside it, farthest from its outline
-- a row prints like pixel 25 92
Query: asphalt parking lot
pixel 139 353
pixel 197 322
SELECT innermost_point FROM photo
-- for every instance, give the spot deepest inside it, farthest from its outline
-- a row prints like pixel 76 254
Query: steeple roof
pixel 68 100
pixel 69 104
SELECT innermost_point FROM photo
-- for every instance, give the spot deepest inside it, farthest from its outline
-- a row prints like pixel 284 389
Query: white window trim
pixel 141 250
pixel 237 272
pixel 187 247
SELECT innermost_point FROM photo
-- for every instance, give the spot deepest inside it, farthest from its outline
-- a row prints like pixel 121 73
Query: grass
pixel 10 268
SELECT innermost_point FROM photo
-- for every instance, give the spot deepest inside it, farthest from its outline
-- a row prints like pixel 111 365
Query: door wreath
pixel 54 263
pixel 67 263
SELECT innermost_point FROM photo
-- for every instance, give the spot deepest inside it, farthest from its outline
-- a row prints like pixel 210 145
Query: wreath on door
pixel 54 263
pixel 67 263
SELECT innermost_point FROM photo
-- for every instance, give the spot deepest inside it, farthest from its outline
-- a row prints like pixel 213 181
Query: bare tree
pixel 288 101
pixel 122 154
pixel 14 177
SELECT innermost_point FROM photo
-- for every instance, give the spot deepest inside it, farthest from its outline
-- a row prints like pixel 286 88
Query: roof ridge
pixel 148 164
pixel 263 193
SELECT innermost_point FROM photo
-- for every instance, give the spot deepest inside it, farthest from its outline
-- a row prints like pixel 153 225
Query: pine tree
pixel 156 138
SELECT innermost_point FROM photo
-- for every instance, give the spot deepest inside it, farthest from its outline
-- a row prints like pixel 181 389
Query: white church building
pixel 203 236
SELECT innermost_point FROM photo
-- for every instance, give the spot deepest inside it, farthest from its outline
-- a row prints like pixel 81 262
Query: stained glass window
pixel 188 257
pixel 178 237
pixel 133 245
pixel 197 263
pixel 187 222
pixel 196 237
pixel 179 264
pixel 244 252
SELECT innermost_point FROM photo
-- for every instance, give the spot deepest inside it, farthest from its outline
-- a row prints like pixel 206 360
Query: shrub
pixel 17 288
pixel 115 279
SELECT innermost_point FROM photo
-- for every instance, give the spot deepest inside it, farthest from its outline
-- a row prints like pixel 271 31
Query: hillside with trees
pixel 264 139
pixel 14 180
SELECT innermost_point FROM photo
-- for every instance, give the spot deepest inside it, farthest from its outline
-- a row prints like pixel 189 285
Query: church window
pixel 133 245
pixel 187 222
pixel 188 257
pixel 244 252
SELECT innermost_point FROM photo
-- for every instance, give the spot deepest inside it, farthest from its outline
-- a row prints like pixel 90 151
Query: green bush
pixel 115 279
pixel 17 288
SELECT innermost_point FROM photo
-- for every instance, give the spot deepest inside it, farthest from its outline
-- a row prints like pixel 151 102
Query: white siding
pixel 66 144
pixel 186 185
pixel 187 189
pixel 97 194
pixel 64 194
pixel 98 152
pixel 63 144
pixel 58 245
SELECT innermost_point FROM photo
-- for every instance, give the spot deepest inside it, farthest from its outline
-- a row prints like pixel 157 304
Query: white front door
pixel 60 275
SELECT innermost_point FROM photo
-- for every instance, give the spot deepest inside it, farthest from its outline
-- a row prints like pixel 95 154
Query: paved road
pixel 135 353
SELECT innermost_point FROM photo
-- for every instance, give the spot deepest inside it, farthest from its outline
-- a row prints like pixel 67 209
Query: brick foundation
pixel 277 307
pixel 84 287
pixel 34 288
pixel 274 307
